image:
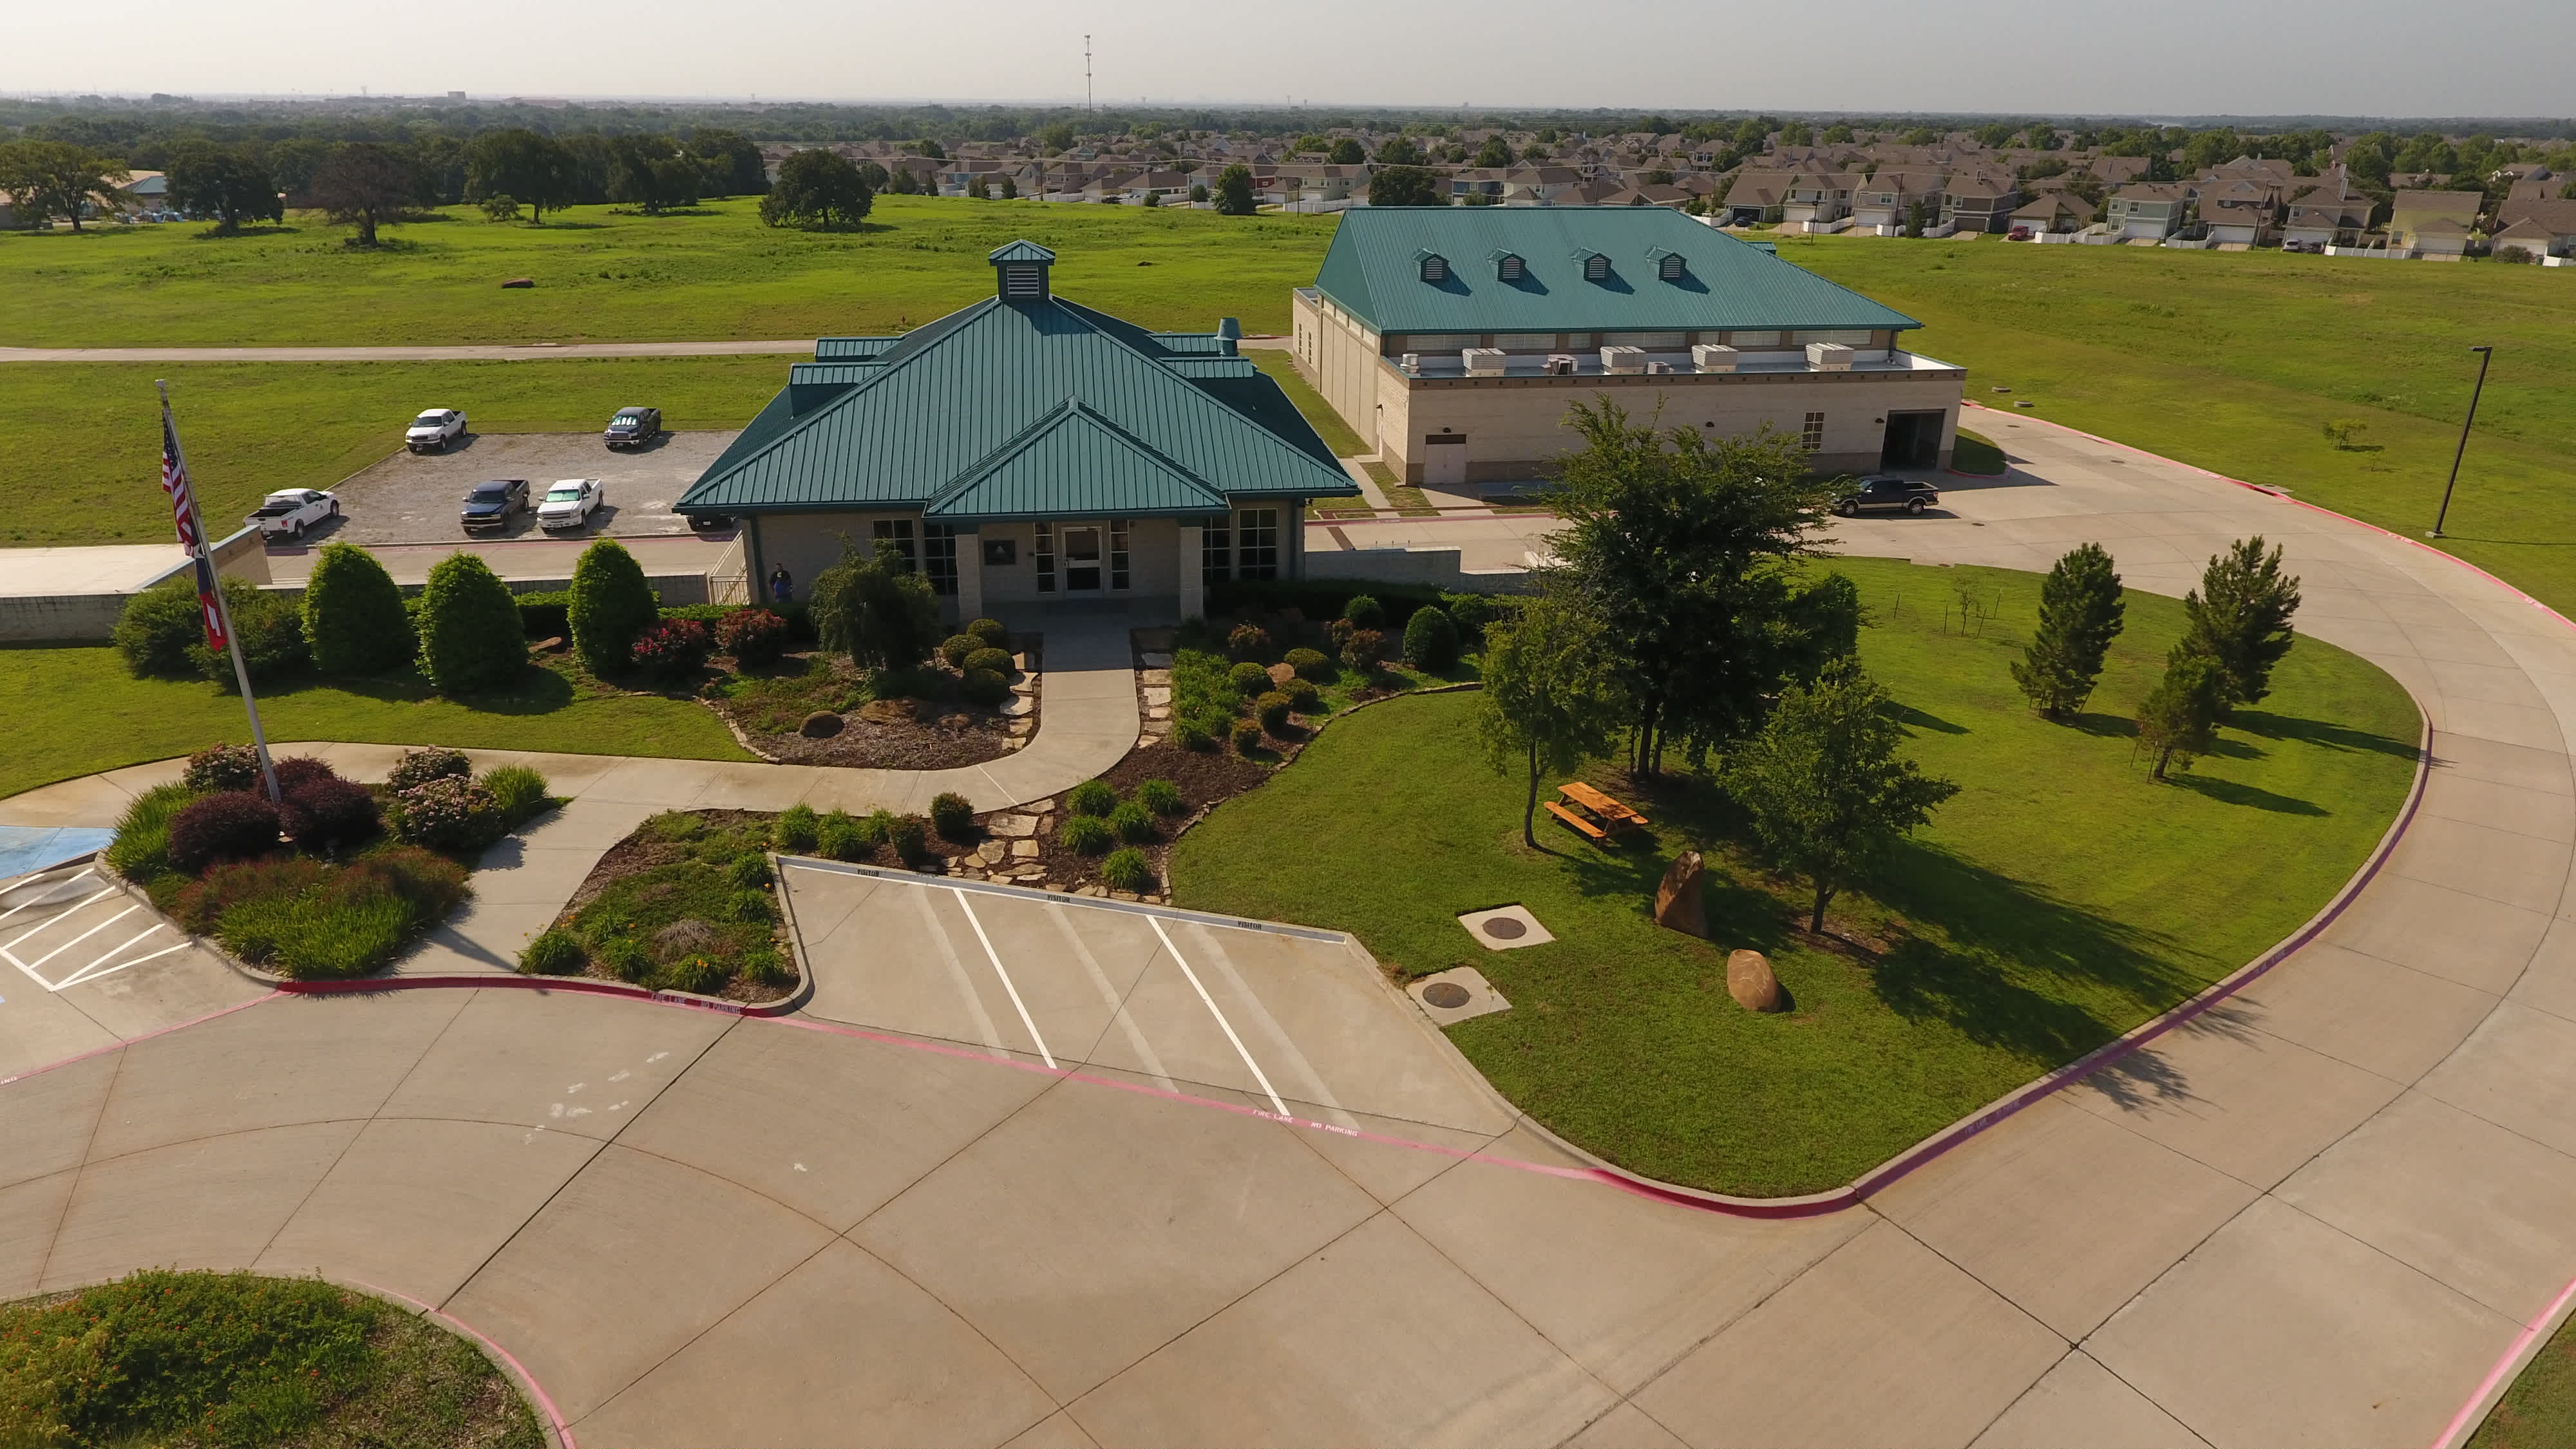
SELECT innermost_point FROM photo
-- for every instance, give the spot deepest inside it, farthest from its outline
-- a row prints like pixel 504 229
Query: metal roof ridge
pixel 1073 409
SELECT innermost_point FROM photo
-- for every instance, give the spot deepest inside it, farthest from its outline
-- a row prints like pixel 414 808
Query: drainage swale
pixel 1447 995
pixel 1503 928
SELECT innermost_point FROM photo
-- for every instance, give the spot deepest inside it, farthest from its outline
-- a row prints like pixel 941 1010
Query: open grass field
pixel 604 276
pixel 2060 899
pixel 53 700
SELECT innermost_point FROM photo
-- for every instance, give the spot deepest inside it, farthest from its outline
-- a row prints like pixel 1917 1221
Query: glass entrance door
pixel 1082 559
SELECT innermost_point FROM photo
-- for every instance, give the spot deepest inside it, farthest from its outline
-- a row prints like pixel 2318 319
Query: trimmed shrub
pixel 1091 797
pixel 469 628
pixel 697 975
pixel 224 767
pixel 1189 734
pixel 1361 653
pixel 1084 835
pixel 991 632
pixel 838 837
pixel 1248 642
pixel 156 629
pixel 754 637
pixel 1364 612
pixel 553 953
pixel 984 687
pixel 1247 736
pixel 227 825
pixel 545 615
pixel 1431 639
pixel 953 816
pixel 1162 797
pixel 327 814
pixel 1272 710
pixel 956 647
pixel 1248 679
pixel 419 767
pixel 910 837
pixel 1338 633
pixel 623 957
pixel 141 850
pixel 296 771
pixel 672 651
pixel 793 830
pixel 270 632
pixel 993 659
pixel 1127 870
pixel 520 792
pixel 450 814
pixel 1303 696
pixel 878 827
pixel 354 621
pixel 611 608
pixel 1132 821
pixel 1310 664
pixel 1471 613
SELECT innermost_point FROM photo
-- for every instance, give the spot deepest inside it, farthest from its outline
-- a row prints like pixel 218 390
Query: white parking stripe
pixel 40 900
pixel 1228 1026
pixel 996 958
pixel 957 971
pixel 1286 1046
pixel 1109 996
pixel 83 936
pixel 92 971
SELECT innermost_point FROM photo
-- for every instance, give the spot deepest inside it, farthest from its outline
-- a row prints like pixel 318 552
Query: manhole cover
pixel 1449 995
pixel 1503 928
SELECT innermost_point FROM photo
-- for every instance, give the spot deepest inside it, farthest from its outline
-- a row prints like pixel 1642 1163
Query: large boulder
pixel 1677 903
pixel 1750 981
pixel 822 724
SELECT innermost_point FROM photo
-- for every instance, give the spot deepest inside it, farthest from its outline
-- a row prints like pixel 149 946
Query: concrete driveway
pixel 2320 1215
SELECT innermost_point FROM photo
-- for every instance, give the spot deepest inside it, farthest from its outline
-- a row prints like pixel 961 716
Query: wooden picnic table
pixel 1608 811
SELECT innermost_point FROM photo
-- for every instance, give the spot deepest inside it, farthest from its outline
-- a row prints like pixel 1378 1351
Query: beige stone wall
pixel 1339 357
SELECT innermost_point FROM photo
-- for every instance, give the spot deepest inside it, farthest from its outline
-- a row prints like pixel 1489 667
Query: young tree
pixel 819 188
pixel 1406 186
pixel 470 638
pixel 1010 189
pixel 1234 191
pixel 56 178
pixel 365 185
pixel 1824 786
pixel 2180 717
pixel 520 164
pixel 354 621
pixel 876 608
pixel 1547 703
pixel 1400 151
pixel 231 183
pixel 611 607
pixel 2239 618
pixel 2080 613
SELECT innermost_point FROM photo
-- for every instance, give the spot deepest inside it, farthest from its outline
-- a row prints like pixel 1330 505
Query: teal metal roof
pixel 1023 409
pixel 1022 250
pixel 1373 272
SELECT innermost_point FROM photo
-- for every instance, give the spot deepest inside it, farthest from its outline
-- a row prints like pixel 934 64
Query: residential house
pixel 2546 228
pixel 2148 210
pixel 2320 219
pixel 1756 197
pixel 1485 182
pixel 2057 212
pixel 1028 453
pixel 2433 223
pixel 1820 197
pixel 2240 211
pixel 1540 185
pixel 1455 338
pixel 2529 237
pixel 1887 198
pixel 1977 199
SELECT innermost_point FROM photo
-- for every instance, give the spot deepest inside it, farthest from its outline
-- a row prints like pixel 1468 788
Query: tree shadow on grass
pixel 537 691
pixel 1913 718
pixel 2324 734
pixel 2231 792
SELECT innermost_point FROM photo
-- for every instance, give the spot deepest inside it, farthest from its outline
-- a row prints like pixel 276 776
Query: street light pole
pixel 2485 356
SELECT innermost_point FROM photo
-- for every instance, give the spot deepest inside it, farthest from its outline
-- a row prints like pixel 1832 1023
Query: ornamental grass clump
pixel 141 850
pixel 1127 870
pixel 1162 797
pixel 1091 797
pixel 1132 822
pixel 554 952
pixel 794 830
pixel 1084 835
pixel 519 791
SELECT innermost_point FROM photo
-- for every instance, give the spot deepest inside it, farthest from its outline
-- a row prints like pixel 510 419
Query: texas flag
pixel 183 511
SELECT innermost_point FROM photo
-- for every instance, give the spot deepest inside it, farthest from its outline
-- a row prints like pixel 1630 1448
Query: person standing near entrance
pixel 780 586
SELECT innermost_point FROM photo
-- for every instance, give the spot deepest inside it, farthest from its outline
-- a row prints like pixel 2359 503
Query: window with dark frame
pixel 939 557
pixel 1216 553
pixel 1044 548
pixel 898 531
pixel 1117 553
pixel 1257 543
pixel 1814 432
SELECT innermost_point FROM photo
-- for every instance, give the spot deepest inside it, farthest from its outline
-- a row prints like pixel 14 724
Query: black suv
pixel 633 427
pixel 1880 493
pixel 489 505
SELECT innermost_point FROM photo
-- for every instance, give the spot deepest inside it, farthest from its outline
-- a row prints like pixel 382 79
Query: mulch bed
pixel 643 851
pixel 926 735
pixel 1206 778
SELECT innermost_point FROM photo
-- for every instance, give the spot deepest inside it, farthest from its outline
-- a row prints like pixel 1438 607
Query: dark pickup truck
pixel 490 505
pixel 633 427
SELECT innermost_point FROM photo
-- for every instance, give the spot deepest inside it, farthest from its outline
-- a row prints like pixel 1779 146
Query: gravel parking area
pixel 414 499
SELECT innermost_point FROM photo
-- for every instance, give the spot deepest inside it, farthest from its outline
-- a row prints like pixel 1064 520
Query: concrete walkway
pixel 2320 1215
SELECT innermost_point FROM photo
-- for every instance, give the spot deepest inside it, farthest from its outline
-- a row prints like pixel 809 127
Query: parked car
pixel 2019 233
pixel 1881 493
pixel 569 503
pixel 633 427
pixel 433 430
pixel 286 514
pixel 491 505
pixel 711 522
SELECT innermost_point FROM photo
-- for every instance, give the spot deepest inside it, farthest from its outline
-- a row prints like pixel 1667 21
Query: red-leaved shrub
pixel 327 813
pixel 752 636
pixel 674 648
pixel 296 772
pixel 227 825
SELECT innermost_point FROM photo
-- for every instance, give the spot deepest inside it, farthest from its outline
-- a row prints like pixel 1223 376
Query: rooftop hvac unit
pixel 1560 364
pixel 1623 359
pixel 1829 357
pixel 1483 361
pixel 1710 357
pixel 1412 362
pixel 1659 367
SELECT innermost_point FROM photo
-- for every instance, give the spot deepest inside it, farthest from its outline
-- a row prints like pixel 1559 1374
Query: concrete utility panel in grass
pixel 1505 928
pixel 1455 995
pixel 411 498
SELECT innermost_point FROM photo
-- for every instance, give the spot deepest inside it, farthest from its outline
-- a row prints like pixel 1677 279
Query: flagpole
pixel 203 553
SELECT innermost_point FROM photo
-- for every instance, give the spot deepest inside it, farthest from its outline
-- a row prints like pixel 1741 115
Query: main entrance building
pixel 1028 451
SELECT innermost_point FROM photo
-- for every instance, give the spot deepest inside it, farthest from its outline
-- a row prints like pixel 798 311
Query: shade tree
pixel 818 188
pixel 1547 704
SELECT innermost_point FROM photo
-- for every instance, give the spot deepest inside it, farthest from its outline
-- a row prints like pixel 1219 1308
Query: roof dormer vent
pixel 1670 266
pixel 1508 267
pixel 1596 267
pixel 1435 267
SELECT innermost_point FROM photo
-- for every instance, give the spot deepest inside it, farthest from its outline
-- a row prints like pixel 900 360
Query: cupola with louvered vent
pixel 1021 271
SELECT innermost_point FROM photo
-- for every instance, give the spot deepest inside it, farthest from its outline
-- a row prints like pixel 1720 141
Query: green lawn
pixel 2539 1411
pixel 2059 900
pixel 602 275
pixel 54 701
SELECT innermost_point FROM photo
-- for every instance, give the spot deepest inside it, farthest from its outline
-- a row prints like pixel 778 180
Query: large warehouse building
pixel 1455 339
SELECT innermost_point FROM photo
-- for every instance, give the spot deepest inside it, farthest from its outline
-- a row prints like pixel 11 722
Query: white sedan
pixel 287 514
pixel 568 503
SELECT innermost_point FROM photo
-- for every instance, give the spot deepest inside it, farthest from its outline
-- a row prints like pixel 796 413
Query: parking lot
pixel 84 965
pixel 1288 1021
pixel 415 499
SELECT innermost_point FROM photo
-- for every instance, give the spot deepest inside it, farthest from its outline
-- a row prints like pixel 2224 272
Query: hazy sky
pixel 2249 57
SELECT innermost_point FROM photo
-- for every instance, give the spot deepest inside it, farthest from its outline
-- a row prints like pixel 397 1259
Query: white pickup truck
pixel 288 513
pixel 569 501
pixel 433 430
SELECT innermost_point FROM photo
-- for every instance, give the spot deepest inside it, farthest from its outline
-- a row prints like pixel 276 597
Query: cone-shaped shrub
pixel 353 615
pixel 612 606
pixel 469 628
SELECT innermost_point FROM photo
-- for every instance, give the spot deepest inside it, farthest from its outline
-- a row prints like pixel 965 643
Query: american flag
pixel 183 511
